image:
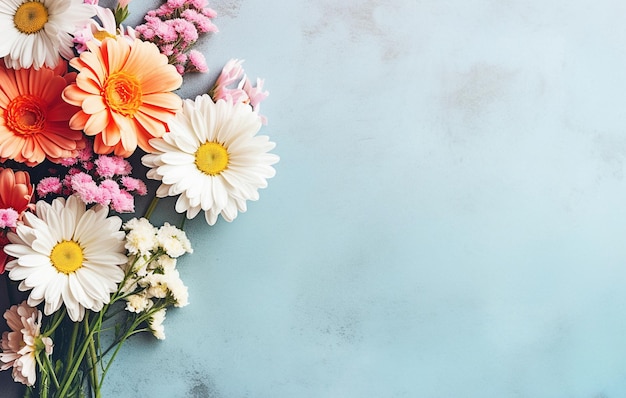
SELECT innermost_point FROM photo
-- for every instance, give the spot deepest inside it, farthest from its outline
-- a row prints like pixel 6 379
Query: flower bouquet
pixel 84 103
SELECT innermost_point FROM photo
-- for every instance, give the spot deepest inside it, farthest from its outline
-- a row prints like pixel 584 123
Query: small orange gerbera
pixel 16 191
pixel 33 116
pixel 124 91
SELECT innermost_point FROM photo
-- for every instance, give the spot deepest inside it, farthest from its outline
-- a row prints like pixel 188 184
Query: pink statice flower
pixel 85 187
pixel 85 154
pixel 134 184
pixel 175 27
pixel 101 179
pixel 109 166
pixel 123 202
pixel 68 161
pixel 8 218
pixel 197 62
pixel 49 185
pixel 233 85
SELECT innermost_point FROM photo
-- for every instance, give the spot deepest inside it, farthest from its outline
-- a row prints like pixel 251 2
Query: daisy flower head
pixel 35 32
pixel 23 343
pixel 212 158
pixel 67 254
pixel 33 116
pixel 125 94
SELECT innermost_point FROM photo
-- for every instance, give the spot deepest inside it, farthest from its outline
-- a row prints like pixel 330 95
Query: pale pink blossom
pixel 97 32
pixel 243 91
pixel 23 343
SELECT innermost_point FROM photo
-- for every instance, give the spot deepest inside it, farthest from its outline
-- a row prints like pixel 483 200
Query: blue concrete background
pixel 448 216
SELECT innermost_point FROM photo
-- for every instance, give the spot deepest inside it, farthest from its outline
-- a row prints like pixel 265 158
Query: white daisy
pixel 35 32
pixel 67 255
pixel 212 158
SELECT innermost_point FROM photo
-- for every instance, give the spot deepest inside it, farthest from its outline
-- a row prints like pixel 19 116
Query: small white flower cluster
pixel 151 272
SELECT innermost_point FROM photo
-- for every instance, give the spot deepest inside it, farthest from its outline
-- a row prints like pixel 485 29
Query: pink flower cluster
pixel 175 27
pixel 243 90
pixel 8 218
pixel 104 179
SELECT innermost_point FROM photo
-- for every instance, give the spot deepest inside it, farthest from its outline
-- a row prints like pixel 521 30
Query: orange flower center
pixel 30 17
pixel 122 93
pixel 26 114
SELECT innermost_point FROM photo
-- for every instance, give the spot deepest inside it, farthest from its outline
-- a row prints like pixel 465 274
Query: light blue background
pixel 448 216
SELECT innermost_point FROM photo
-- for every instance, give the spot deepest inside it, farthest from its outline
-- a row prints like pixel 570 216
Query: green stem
pixel 69 378
pixel 45 383
pixel 131 331
pixel 92 359
pixel 48 364
pixel 151 208
pixel 70 353
pixel 56 321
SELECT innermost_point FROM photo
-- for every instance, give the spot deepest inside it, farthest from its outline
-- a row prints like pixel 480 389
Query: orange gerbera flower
pixel 33 116
pixel 124 91
pixel 16 193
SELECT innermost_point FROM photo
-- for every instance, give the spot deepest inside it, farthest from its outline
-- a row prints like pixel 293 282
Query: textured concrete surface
pixel 448 218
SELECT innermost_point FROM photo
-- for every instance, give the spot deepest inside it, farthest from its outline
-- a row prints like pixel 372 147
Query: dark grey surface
pixel 8 388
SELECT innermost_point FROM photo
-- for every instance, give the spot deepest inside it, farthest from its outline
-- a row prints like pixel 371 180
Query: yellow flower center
pixel 30 17
pixel 67 256
pixel 211 158
pixel 26 114
pixel 122 93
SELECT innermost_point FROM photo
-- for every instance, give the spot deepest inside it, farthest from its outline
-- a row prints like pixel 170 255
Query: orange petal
pixel 163 100
pixel 74 95
pixel 99 147
pixel 97 122
pixel 93 104
pixel 79 120
pixel 111 133
pixel 154 127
